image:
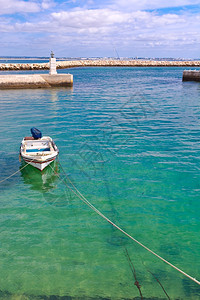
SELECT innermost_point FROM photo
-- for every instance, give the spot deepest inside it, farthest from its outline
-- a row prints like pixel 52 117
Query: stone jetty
pixel 20 81
pixel 100 63
pixel 24 81
pixel 191 75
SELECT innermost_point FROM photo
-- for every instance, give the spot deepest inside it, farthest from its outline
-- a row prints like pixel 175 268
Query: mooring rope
pixel 14 173
pixel 136 283
pixel 82 198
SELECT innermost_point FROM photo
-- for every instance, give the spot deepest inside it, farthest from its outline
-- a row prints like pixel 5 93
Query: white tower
pixel 52 63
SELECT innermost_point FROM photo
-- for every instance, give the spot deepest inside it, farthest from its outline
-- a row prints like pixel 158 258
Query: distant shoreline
pixel 99 63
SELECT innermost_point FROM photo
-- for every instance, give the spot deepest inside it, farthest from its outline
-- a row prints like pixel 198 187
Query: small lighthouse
pixel 52 63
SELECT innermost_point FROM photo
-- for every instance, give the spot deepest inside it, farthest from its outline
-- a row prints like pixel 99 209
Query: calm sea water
pixel 129 139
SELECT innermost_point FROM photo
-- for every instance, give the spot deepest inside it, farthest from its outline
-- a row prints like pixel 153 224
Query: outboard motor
pixel 36 133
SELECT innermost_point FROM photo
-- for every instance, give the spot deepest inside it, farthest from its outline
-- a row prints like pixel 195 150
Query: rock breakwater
pixel 99 63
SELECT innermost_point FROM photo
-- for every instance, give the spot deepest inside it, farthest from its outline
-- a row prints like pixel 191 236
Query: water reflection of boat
pixel 42 181
pixel 48 183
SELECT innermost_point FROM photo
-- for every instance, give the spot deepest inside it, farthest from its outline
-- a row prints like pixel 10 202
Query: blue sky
pixel 89 28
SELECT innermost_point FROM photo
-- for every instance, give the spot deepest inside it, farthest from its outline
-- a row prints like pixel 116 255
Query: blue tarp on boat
pixel 36 133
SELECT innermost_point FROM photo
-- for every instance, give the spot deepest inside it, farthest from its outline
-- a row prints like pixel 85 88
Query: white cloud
pixel 135 5
pixel 96 28
pixel 113 23
pixel 89 18
pixel 109 20
pixel 18 6
pixel 5 26
pixel 46 4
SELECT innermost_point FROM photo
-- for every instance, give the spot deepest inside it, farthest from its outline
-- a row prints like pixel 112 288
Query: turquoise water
pixel 129 141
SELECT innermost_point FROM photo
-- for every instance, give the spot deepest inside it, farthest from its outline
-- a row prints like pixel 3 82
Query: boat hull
pixel 38 164
pixel 38 153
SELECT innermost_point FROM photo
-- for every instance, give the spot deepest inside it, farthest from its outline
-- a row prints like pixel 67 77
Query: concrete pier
pixel 191 75
pixel 35 81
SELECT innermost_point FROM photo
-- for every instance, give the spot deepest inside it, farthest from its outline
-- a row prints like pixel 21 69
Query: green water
pixel 129 141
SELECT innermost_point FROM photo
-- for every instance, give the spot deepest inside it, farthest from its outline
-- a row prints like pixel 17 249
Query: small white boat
pixel 38 151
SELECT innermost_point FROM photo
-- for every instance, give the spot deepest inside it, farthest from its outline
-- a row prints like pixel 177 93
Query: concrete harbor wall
pixel 35 81
pixel 100 63
pixel 191 75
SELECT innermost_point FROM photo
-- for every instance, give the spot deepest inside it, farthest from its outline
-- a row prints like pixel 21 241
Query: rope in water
pixel 82 198
pixel 14 173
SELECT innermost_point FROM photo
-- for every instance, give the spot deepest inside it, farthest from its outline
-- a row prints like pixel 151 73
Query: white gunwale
pixel 38 152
